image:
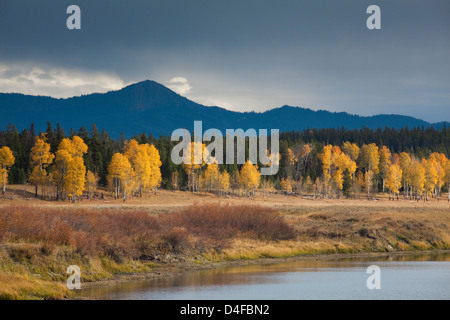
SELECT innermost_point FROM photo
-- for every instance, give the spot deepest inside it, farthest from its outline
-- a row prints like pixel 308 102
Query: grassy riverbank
pixel 39 241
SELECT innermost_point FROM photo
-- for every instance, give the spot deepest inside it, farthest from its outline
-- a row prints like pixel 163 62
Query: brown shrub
pixel 121 234
pixel 222 222
pixel 177 239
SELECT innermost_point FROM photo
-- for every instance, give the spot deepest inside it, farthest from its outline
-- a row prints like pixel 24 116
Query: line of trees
pixel 350 169
pixel 325 162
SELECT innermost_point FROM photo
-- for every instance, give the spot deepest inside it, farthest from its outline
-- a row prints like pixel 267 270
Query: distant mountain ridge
pixel 150 107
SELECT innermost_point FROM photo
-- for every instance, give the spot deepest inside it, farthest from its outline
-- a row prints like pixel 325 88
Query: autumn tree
pixel 368 182
pixel 209 179
pixel 417 178
pixel 145 162
pixel 193 161
pixel 120 176
pixel 286 185
pixel 41 158
pixel 75 178
pixel 369 160
pixel 327 161
pixel 440 164
pixel 334 165
pixel 405 166
pixel 91 183
pixel 351 149
pixel 431 176
pixel 341 163
pixel 155 167
pixel 385 163
pixel 6 162
pixel 71 171
pixel 140 163
pixel 447 173
pixel 224 182
pixel 250 177
pixel 394 180
pixel 289 162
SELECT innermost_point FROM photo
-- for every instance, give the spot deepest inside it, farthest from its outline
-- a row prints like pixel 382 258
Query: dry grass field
pixel 106 237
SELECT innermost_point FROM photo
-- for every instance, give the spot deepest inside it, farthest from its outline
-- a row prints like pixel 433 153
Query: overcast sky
pixel 238 54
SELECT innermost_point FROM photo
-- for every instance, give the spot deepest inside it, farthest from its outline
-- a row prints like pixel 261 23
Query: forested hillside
pixel 302 158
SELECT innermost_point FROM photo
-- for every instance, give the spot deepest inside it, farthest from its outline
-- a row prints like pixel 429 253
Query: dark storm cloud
pixel 243 55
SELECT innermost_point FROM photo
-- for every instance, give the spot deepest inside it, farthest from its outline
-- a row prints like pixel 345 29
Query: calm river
pixel 401 277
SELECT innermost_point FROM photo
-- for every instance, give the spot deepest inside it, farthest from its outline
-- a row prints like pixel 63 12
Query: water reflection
pixel 316 279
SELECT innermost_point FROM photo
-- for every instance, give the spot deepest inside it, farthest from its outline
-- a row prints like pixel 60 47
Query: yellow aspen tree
pixel 351 149
pixel 250 177
pixel 431 176
pixel 138 157
pixel 120 176
pixel 440 164
pixel 114 173
pixel 62 161
pixel 70 165
pixel 128 183
pixel 326 159
pixel 385 163
pixel 193 162
pixel 405 163
pixel 370 157
pixel 224 182
pixel 155 167
pixel 41 158
pixel 341 163
pixel 7 160
pixel 145 162
pixel 286 185
pixel 417 178
pixel 394 180
pixel 75 181
pixel 91 183
pixel 290 162
pixel 337 168
pixel 79 148
pixel 447 173
pixel 211 177
pixel 368 182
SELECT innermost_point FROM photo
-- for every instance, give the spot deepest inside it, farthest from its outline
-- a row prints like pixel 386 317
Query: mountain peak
pixel 146 84
pixel 150 107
